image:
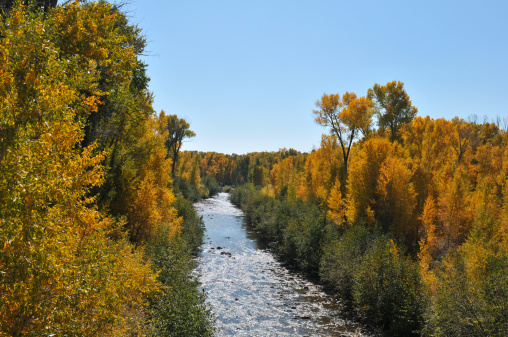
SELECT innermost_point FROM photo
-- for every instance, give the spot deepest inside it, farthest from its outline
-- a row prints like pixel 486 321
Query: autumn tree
pixel 393 105
pixel 363 179
pixel 461 138
pixel 62 273
pixel 178 130
pixel 395 209
pixel 336 205
pixel 347 117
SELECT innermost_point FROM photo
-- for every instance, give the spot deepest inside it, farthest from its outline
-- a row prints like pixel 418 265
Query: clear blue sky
pixel 246 74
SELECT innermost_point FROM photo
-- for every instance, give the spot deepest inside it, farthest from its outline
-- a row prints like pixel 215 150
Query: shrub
pixel 471 306
pixel 387 289
pixel 211 185
pixel 179 309
pixel 192 225
pixel 240 194
pixel 303 235
pixel 341 259
pixel 187 190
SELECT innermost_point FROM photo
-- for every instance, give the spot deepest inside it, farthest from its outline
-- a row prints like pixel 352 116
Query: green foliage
pixel 466 308
pixel 179 308
pixel 369 273
pixel 187 190
pixel 304 235
pixel 211 185
pixel 341 260
pixel 239 195
pixel 297 227
pixel 393 105
pixel 387 289
pixel 192 225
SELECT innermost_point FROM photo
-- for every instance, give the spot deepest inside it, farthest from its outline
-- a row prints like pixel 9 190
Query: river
pixel 253 294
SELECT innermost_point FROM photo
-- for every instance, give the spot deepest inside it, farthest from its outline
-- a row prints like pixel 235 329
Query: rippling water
pixel 251 293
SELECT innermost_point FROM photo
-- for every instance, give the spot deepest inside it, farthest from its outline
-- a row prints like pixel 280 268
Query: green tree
pixel 178 130
pixel 393 105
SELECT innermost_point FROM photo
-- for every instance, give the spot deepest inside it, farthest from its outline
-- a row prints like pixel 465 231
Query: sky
pixel 246 74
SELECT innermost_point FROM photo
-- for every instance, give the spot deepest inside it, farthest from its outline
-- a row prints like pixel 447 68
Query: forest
pixel 404 218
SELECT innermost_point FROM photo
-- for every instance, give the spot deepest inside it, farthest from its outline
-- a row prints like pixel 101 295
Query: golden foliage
pixel 61 272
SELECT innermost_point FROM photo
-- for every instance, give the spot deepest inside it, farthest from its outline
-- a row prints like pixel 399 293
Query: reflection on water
pixel 250 292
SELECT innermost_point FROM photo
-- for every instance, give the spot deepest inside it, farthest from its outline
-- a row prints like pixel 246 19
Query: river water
pixel 250 292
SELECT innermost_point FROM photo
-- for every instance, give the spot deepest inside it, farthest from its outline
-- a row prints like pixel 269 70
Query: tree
pixel 6 5
pixel 178 130
pixel 394 106
pixel 61 272
pixel 395 207
pixel 336 205
pixel 461 137
pixel 346 117
pixel 362 198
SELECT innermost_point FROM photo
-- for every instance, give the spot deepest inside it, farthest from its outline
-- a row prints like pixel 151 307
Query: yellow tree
pixel 321 168
pixel 336 205
pixel 177 130
pixel 455 211
pixel 395 209
pixel 461 137
pixel 60 272
pixel 363 179
pixel 151 203
pixel 347 117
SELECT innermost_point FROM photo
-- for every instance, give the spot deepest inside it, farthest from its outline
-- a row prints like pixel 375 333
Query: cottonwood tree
pixel 393 105
pixel 178 130
pixel 347 117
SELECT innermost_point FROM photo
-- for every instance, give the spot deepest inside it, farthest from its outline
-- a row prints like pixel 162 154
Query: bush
pixel 186 190
pixel 211 185
pixel 296 227
pixel 341 260
pixel 468 307
pixel 387 289
pixel 303 236
pixel 179 309
pixel 192 226
pixel 240 194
